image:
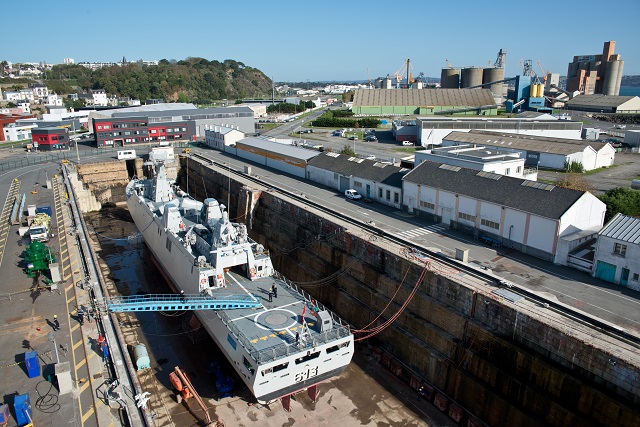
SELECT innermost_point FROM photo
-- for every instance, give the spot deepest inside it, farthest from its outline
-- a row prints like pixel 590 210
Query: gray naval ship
pixel 291 343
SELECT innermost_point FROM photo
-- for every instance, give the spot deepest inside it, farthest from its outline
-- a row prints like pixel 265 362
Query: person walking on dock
pixel 270 296
pixel 80 317
pixel 274 289
pixel 56 324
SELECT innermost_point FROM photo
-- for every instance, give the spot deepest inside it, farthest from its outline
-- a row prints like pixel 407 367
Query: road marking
pixel 422 231
pixel 87 414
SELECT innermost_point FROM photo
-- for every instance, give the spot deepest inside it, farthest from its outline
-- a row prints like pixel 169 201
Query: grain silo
pixel 610 78
pixel 450 78
pixel 471 76
pixel 493 75
pixel 619 78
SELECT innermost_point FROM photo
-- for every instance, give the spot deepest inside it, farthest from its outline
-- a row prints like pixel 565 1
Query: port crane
pixel 405 69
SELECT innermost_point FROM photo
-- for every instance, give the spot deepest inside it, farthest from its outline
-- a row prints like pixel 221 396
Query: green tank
pixel 38 257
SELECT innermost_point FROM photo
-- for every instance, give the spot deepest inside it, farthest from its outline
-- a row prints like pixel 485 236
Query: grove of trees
pixel 344 119
pixel 190 80
pixel 622 200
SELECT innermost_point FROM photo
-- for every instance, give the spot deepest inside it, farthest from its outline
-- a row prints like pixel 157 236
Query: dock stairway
pixel 161 302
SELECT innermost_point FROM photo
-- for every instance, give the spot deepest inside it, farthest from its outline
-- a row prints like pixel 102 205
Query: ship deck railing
pixel 284 349
pixel 340 329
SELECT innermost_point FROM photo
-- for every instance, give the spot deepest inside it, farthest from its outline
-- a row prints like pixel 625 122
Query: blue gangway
pixel 163 302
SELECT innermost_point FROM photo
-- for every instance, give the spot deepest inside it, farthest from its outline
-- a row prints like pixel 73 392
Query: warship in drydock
pixel 289 344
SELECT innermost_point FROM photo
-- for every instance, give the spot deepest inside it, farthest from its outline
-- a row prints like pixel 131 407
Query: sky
pixel 324 40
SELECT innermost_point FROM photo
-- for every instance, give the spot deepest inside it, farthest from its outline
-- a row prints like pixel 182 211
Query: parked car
pixel 370 157
pixel 353 138
pixel 336 133
pixel 371 138
pixel 352 194
pixel 407 143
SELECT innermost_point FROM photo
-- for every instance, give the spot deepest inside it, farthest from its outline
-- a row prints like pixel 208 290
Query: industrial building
pixel 539 152
pixel 491 78
pixel 7 119
pixel 50 139
pixel 135 130
pixel 605 104
pixel 375 181
pixel 617 252
pixel 283 157
pixel 390 102
pixel 240 117
pixel 632 137
pixel 524 215
pixel 431 130
pixel 498 161
pixel 596 74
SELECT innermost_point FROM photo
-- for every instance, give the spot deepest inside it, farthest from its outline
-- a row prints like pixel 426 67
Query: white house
pixel 373 180
pixel 11 95
pixel 617 254
pixel 220 136
pixel 551 153
pixel 39 91
pixel 99 98
pixel 525 215
pixel 53 99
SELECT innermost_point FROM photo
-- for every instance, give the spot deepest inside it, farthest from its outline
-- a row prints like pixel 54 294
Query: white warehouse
pixel 376 181
pixel 617 254
pixel 525 215
pixel 549 153
pixel 433 129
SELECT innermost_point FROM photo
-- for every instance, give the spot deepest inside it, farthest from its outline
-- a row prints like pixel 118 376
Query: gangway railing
pixel 161 302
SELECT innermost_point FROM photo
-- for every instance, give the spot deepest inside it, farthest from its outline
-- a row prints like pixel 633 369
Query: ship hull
pixel 267 380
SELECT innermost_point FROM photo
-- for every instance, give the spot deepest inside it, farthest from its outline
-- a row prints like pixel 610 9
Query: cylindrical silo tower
pixel 471 76
pixel 619 78
pixel 386 83
pixel 492 75
pixel 610 78
pixel 450 78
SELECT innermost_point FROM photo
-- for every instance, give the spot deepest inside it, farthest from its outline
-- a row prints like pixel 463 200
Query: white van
pixel 407 143
pixel 126 154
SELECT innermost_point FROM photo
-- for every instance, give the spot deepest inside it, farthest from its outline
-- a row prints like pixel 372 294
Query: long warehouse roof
pixel 540 144
pixel 423 97
pixel 599 100
pixel 538 198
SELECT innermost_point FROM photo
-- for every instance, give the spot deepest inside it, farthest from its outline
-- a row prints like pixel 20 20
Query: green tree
pixel 182 97
pixel 621 200
pixel 347 150
pixel 11 104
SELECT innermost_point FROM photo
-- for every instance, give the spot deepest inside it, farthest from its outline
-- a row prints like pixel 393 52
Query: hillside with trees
pixel 191 80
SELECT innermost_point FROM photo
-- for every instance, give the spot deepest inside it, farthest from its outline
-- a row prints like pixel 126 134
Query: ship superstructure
pixel 289 344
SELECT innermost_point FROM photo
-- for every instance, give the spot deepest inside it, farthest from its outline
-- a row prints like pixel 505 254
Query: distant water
pixel 630 90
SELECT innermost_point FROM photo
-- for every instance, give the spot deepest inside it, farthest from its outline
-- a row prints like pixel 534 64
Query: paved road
pixel 610 302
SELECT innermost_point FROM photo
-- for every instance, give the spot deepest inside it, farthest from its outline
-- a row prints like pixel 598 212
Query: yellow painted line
pixel 87 414
pixel 78 344
pixel 68 288
pixel 84 386
pixel 80 365
pixel 71 299
pixel 263 338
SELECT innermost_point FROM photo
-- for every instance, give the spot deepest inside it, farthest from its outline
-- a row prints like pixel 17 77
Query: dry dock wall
pixel 508 364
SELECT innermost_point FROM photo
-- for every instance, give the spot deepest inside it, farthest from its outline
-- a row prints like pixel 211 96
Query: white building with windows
pixel 537 151
pixel 17 131
pixel 617 252
pixel 376 181
pixel 479 158
pixel 499 210
pixel 218 137
pixel 40 91
pixel 99 98
pixel 53 99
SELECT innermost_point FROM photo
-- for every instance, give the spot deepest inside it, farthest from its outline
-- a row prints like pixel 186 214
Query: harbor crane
pixel 501 59
pixel 404 70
